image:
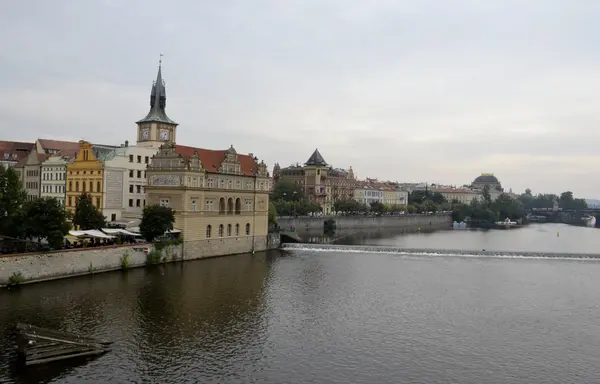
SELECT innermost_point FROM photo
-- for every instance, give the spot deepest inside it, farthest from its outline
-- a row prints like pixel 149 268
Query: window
pixel 131 158
pixel 238 184
pixel 77 186
pixel 146 159
pixel 164 202
pixel 220 230
pixel 69 201
pixel 209 205
pixel 237 229
pixel 138 203
pixel 131 173
pixel 208 231
pixel 249 206
pixel 230 184
pixel 131 202
pixel 144 202
pixel 113 217
pixel 139 159
pixel 194 205
pixel 228 229
pixel 139 174
pixel 248 229
pixel 97 202
pixel 130 188
pixel 98 189
pixel 138 188
pixel 210 183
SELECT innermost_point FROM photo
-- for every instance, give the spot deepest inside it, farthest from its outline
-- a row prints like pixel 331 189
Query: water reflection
pixel 356 237
pixel 160 318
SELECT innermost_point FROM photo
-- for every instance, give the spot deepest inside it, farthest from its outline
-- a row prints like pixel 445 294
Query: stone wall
pixel 357 222
pixel 221 246
pixel 74 262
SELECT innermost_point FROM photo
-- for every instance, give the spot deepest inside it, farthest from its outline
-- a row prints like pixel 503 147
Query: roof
pixel 486 178
pixel 14 150
pixel 453 190
pixel 316 159
pixel 65 148
pixel 158 102
pixel 211 159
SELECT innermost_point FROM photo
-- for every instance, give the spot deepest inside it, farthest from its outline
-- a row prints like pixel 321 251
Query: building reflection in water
pixel 355 236
pixel 153 315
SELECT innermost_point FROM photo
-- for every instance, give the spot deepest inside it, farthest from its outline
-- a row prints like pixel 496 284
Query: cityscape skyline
pixel 378 89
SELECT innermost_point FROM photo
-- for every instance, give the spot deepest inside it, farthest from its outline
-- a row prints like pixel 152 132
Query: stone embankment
pixel 358 222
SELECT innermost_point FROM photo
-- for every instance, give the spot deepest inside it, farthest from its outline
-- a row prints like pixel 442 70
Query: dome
pixel 486 178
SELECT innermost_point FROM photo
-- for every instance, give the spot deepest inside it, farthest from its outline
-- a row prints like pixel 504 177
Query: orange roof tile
pixel 211 159
pixel 65 147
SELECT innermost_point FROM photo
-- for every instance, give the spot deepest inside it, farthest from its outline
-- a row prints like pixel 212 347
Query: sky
pixel 413 91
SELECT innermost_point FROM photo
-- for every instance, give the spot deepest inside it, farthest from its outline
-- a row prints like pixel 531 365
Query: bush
pixel 125 260
pixel 153 257
pixel 16 278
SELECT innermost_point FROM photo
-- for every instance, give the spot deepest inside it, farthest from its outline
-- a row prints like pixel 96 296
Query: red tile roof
pixel 14 150
pixel 211 159
pixel 66 148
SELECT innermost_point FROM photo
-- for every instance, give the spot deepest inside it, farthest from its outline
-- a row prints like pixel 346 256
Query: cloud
pixel 410 91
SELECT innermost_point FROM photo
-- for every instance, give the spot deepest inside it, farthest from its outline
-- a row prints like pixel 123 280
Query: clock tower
pixel 156 128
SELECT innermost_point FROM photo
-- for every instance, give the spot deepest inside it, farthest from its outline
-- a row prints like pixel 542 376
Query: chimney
pixel 251 154
pixel 126 143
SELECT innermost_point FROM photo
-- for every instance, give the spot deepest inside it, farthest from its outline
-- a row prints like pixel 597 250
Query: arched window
pixel 70 187
pixel 228 229
pixel 98 187
pixel 208 231
pixel 91 186
pixel 247 229
pixel 222 205
pixel 220 230
pixel 237 229
pixel 77 186
pixel 238 206
pixel 83 186
pixel 230 206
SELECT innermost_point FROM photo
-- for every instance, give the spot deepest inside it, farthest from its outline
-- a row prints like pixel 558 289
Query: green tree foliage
pixel 416 197
pixel 349 206
pixel 566 200
pixel 287 191
pixel 300 208
pixel 46 219
pixel 482 212
pixel 156 220
pixel 87 216
pixel 272 216
pixel 377 207
pixel 437 198
pixel 507 207
pixel 12 197
pixel 487 197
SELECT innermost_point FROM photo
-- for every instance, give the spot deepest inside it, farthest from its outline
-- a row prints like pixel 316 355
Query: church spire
pixel 158 100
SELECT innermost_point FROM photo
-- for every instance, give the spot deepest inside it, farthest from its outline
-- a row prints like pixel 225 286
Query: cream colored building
pixel 220 197
pixel 462 195
pixel 29 169
pixel 54 177
pixel 125 182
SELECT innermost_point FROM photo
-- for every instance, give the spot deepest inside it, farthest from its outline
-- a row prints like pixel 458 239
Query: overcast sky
pixel 436 91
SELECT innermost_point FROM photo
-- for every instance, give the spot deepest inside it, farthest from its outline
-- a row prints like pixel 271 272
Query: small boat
pixel 507 223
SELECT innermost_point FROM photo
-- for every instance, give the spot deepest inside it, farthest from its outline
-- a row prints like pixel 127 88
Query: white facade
pixel 53 178
pixel 401 196
pixel 367 194
pixel 125 182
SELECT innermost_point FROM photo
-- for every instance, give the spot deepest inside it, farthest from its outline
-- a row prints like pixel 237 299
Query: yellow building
pixel 85 174
pixel 220 197
pixel 461 195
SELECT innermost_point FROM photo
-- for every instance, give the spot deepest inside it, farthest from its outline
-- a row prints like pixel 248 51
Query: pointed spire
pixel 316 159
pixel 158 100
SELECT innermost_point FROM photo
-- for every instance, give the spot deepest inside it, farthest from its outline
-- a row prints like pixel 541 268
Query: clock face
pixel 164 134
pixel 145 134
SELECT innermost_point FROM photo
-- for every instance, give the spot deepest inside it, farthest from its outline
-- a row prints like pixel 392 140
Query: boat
pixel 507 223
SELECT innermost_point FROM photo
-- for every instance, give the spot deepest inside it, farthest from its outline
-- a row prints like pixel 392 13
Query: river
pixel 306 316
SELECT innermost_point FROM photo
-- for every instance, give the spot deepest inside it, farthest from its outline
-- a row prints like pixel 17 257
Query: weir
pixel 438 252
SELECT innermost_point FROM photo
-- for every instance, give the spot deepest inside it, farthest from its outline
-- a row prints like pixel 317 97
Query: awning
pixel 137 230
pixel 117 231
pixel 94 233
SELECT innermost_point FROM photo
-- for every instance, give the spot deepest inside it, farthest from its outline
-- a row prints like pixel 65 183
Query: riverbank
pixel 367 222
pixel 28 268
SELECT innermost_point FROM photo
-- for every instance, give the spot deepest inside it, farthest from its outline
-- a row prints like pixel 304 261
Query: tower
pixel 156 128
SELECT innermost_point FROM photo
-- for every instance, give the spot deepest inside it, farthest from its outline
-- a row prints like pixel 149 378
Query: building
pixel 54 177
pixel 125 182
pixel 67 149
pixel 11 152
pixel 29 169
pixel 367 192
pixel 461 195
pixel 220 197
pixel 85 174
pixel 320 182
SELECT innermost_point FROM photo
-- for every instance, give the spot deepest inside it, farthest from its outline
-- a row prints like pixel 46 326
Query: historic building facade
pixel 319 181
pixel 85 174
pixel 54 177
pixel 220 197
pixel 125 182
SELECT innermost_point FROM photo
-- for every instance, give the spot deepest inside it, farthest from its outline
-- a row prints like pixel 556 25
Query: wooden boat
pixel 37 345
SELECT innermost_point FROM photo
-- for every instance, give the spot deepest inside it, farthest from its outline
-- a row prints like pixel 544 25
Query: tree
pixel 377 207
pixel 87 216
pixel 487 197
pixel 156 220
pixel 46 219
pixel 438 198
pixel 505 206
pixel 416 197
pixel 287 191
pixel 12 197
pixel 272 215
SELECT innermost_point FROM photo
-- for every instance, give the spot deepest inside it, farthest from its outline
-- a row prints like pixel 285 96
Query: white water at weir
pixel 438 252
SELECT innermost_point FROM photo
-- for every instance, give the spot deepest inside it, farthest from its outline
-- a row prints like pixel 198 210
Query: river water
pixel 311 316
